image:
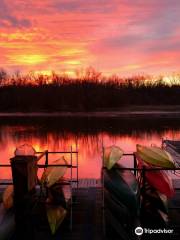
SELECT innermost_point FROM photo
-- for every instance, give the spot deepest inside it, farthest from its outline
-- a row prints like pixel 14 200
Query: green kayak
pixel 123 185
pixel 119 210
pixel 114 229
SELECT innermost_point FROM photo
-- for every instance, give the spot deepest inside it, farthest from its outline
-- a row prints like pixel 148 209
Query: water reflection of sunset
pixel 89 146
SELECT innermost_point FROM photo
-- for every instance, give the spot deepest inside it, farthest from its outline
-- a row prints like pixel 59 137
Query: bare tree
pixel 3 76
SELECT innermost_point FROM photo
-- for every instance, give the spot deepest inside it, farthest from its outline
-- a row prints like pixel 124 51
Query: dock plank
pixel 87 215
pixel 88 183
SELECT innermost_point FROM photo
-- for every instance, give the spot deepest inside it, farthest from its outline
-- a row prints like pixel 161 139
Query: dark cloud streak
pixel 7 19
pixel 82 6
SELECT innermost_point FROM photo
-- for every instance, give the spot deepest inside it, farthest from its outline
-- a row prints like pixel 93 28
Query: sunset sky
pixel 114 36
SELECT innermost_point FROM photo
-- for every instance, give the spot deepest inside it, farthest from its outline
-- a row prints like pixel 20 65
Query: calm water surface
pixel 59 134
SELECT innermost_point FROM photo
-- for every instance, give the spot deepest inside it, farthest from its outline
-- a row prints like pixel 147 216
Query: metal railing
pixel 46 164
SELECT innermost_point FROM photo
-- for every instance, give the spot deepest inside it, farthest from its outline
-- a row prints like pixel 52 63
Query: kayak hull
pixel 154 208
pixel 114 229
pixel 157 179
pixel 119 210
pixel 123 185
pixel 151 196
pixel 155 156
pixel 155 191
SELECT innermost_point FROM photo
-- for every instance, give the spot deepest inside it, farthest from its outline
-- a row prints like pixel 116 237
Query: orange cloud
pixel 29 59
pixel 113 36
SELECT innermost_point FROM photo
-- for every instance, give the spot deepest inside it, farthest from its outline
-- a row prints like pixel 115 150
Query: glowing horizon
pixel 115 37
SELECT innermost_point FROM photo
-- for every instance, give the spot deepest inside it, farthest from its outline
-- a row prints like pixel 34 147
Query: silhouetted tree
pixel 3 76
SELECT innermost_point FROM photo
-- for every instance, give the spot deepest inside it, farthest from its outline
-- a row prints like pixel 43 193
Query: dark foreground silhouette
pixel 91 92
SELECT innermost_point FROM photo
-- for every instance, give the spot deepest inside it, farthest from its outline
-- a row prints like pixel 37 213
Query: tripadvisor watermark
pixel 139 231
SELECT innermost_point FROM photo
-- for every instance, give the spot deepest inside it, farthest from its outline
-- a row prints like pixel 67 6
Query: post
pixel 103 203
pixel 135 163
pixel 77 165
pixel 71 191
pixel 46 158
pixel 24 174
pixel 46 165
pixel 143 193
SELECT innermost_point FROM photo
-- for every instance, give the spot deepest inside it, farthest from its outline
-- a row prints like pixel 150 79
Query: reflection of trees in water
pixel 60 133
pixel 4 137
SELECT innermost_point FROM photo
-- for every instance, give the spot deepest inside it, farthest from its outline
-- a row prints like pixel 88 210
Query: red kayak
pixel 157 179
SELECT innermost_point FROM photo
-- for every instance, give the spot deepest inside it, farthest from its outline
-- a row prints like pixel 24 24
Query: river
pixel 88 134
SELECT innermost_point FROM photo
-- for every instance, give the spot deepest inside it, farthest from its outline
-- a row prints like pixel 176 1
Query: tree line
pixel 88 91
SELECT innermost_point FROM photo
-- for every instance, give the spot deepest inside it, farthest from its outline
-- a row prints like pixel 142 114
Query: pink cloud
pixel 118 36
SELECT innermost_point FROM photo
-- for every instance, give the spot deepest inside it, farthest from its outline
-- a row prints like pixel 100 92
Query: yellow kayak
pixel 155 156
pixel 111 155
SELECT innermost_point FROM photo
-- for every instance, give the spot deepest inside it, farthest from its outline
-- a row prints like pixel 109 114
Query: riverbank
pixel 130 111
pixel 88 97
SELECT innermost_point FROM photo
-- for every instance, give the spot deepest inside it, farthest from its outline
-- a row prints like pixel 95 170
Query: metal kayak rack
pixel 72 164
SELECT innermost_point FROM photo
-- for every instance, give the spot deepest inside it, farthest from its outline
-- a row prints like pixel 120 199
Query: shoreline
pixel 98 114
pixel 126 111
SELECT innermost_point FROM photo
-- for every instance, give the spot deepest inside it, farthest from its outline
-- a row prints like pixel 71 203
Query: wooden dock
pixel 88 218
pixel 87 212
pixel 87 215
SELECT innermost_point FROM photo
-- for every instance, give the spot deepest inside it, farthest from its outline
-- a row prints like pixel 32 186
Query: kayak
pixel 114 228
pixel 111 155
pixel 118 218
pixel 157 179
pixel 119 210
pixel 123 185
pixel 60 194
pixel 155 190
pixel 156 199
pixel 55 215
pixel 155 156
pixel 154 206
